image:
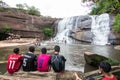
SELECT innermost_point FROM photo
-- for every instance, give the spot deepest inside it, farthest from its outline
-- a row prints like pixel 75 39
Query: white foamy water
pixel 65 28
pixel 100 29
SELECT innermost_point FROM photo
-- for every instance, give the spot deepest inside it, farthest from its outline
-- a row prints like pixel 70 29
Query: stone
pixel 67 75
pixel 117 47
pixel 93 59
pixel 22 21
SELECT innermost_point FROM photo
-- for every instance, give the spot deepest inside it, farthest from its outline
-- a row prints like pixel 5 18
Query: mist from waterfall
pixel 100 29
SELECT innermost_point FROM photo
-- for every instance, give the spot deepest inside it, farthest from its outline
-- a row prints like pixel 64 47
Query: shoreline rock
pixel 117 47
pixel 67 75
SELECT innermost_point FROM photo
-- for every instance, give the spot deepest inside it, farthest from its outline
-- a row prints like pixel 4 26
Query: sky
pixel 54 8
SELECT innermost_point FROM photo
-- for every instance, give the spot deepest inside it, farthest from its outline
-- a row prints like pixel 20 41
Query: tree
pixel 116 26
pixel 30 9
pixel 33 11
pixel 48 32
pixel 20 6
pixel 5 29
pixel 106 6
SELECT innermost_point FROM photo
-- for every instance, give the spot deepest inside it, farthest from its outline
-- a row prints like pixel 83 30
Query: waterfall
pixel 65 28
pixel 98 26
pixel 100 29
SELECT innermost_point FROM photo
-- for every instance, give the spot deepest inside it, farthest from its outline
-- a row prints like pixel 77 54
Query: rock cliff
pixel 21 20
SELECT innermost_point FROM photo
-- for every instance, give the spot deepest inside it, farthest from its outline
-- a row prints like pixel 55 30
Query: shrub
pixel 106 6
pixel 5 29
pixel 1 8
pixel 20 6
pixel 33 11
pixel 116 26
pixel 48 32
pixel 112 62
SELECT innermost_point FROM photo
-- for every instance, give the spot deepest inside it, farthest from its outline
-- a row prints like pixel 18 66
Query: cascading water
pixel 65 28
pixel 100 29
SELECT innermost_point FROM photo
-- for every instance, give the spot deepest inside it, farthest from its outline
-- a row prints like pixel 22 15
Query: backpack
pixel 57 63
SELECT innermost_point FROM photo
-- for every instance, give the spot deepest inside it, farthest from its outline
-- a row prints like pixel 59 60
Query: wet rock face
pixel 114 38
pixel 84 22
pixel 84 33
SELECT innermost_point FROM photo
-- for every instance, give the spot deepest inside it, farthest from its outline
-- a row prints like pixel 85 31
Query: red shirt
pixel 113 78
pixel 14 63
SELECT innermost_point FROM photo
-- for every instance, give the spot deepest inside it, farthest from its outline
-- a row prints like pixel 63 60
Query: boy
pixel 30 60
pixel 58 61
pixel 43 61
pixel 14 61
pixel 105 68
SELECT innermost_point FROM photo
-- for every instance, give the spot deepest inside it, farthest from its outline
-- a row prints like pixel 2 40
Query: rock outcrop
pixel 20 20
pixel 67 75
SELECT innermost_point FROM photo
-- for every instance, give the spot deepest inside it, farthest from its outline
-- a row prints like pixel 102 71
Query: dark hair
pixel 105 66
pixel 57 48
pixel 16 50
pixel 31 48
pixel 44 50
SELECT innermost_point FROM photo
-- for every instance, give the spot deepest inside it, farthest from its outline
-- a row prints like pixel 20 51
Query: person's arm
pixel 49 64
pixel 63 58
pixel 35 61
pixel 77 77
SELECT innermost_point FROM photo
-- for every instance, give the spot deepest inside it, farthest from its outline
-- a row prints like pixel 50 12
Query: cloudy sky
pixel 54 8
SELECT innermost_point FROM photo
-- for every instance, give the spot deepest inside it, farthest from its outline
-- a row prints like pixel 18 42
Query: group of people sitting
pixel 43 63
pixel 30 62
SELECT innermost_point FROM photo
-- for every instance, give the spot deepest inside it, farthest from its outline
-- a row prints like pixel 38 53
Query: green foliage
pixel 112 62
pixel 117 75
pixel 1 8
pixel 5 29
pixel 30 9
pixel 20 6
pixel 33 11
pixel 48 32
pixel 107 6
pixel 116 26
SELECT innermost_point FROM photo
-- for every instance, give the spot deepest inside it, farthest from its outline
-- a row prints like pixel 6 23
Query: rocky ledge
pixel 117 47
pixel 67 75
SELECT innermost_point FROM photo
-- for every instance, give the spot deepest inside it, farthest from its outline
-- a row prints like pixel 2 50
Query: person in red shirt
pixel 14 61
pixel 105 68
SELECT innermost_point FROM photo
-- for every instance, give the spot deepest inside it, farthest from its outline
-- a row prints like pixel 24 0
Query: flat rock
pixel 67 75
pixel 117 47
